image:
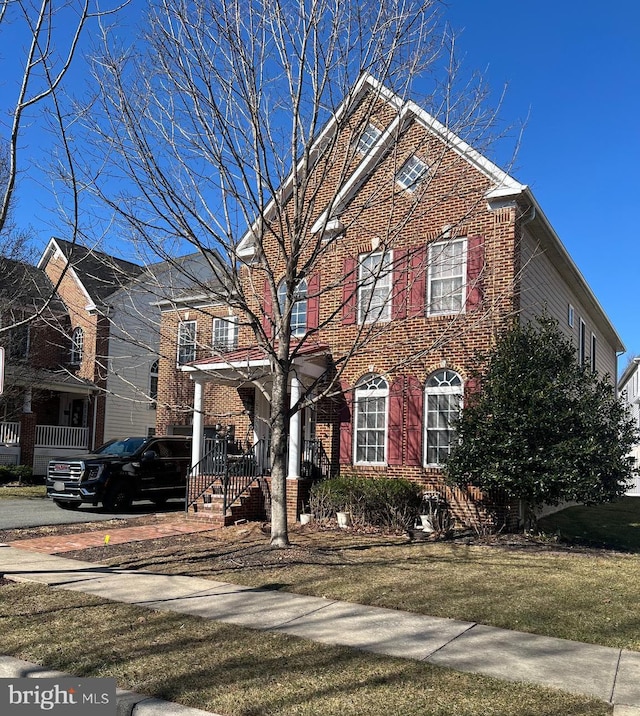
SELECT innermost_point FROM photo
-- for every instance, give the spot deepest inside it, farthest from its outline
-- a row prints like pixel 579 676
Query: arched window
pixel 299 308
pixel 443 401
pixel 370 419
pixel 153 383
pixel 77 345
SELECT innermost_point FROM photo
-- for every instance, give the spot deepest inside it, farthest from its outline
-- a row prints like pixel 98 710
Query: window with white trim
pixel 186 342
pixel 225 333
pixel 374 287
pixel 570 315
pixel 153 383
pixel 592 357
pixel 443 400
pixel 412 172
pixel 299 308
pixel 370 420
pixel 368 138
pixel 77 346
pixel 447 279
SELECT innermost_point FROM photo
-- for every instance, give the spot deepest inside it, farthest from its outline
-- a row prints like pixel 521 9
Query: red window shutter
pixel 475 265
pixel 345 417
pixel 414 395
pixel 395 426
pixel 349 291
pixel 418 281
pixel 267 310
pixel 313 301
pixel 399 289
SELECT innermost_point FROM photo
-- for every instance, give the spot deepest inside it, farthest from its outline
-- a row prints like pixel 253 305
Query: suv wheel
pixel 117 498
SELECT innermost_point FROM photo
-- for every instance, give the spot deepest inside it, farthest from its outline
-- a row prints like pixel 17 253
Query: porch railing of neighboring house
pixel 9 433
pixel 60 436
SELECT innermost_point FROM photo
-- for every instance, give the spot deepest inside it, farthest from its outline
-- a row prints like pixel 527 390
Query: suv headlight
pixel 92 472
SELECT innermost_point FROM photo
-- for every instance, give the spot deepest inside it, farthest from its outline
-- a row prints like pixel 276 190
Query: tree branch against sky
pixel 223 127
pixel 40 43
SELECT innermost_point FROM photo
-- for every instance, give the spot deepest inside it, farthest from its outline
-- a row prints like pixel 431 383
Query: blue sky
pixel 572 68
pixel 573 72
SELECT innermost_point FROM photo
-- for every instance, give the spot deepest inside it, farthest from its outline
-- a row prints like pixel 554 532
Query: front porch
pixel 230 479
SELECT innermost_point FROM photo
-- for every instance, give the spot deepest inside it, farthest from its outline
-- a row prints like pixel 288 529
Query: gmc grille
pixel 65 471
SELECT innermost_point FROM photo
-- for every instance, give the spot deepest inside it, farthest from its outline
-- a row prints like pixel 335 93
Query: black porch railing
pixel 229 468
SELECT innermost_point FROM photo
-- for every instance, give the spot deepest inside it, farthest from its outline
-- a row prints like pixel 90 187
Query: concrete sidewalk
pixel 609 674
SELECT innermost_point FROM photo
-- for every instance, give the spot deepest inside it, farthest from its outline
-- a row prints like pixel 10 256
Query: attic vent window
pixel 412 173
pixel 368 138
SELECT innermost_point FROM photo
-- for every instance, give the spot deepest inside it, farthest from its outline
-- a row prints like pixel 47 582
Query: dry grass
pixel 240 672
pixel 579 594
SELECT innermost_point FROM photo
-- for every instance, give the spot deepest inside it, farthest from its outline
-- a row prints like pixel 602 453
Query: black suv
pixel 122 471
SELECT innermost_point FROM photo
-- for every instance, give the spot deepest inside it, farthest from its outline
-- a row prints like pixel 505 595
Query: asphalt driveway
pixel 39 511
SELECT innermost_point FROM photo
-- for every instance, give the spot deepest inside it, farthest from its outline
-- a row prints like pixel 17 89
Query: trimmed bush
pixel 14 473
pixel 391 503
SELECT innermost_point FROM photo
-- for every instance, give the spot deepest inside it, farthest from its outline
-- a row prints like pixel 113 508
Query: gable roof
pixel 503 190
pixel 26 286
pixel 99 274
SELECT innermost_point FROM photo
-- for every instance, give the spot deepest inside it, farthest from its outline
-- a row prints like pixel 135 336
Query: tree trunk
pixel 279 413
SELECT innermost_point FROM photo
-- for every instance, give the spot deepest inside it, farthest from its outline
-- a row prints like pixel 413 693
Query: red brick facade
pixel 454 201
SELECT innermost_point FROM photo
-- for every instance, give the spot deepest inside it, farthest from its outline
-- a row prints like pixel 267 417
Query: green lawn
pixel 615 525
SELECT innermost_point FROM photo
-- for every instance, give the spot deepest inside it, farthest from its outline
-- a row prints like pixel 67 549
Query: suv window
pixel 121 447
pixel 174 448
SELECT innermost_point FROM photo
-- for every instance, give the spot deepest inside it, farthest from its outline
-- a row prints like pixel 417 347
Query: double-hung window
pixel 446 286
pixel 77 346
pixel 225 333
pixel 371 398
pixel 443 403
pixel 374 287
pixel 186 342
pixel 299 307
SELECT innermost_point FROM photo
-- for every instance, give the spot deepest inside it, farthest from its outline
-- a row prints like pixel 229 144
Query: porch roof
pixel 253 364
pixel 56 381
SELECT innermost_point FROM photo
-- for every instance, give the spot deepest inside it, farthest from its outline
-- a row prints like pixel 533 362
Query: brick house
pixel 42 394
pixel 424 249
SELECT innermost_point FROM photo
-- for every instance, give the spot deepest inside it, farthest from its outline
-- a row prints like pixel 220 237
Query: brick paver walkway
pixel 56 544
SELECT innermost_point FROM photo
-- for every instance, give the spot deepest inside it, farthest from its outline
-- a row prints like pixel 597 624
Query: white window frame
pixel 187 340
pixel 439 274
pixel 153 383
pixel 592 357
pixel 570 316
pixel 375 273
pixel 77 346
pixel 412 172
pixel 368 138
pixel 442 383
pixel 300 308
pixel 224 333
pixel 371 391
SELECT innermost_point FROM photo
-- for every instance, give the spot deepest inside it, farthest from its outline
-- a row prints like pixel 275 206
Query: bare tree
pixel 44 37
pixel 234 128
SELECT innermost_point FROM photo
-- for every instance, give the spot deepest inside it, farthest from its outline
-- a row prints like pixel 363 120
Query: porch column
pixel 198 431
pixel 294 431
